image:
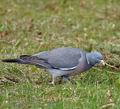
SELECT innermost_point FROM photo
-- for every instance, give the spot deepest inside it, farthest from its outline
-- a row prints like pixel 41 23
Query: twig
pixel 107 105
pixel 110 100
pixel 13 79
pixel 112 66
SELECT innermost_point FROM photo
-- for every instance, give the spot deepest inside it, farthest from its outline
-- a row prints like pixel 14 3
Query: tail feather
pixel 11 60
pixel 27 59
pixel 23 59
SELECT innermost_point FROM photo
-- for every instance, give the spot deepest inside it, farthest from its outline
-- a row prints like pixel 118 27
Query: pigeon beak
pixel 102 62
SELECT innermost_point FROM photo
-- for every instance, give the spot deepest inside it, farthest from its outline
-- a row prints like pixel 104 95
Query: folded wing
pixel 64 58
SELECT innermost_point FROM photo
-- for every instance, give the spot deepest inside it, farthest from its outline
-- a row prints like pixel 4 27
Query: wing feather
pixel 64 58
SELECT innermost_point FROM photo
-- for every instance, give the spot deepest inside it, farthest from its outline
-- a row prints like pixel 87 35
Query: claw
pixel 52 83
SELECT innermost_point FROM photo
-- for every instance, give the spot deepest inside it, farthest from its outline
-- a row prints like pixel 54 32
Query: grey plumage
pixel 64 57
pixel 62 62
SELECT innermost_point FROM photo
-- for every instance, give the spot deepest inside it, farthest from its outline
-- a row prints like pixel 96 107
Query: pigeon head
pixel 95 58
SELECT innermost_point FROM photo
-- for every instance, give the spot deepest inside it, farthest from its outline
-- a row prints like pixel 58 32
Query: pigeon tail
pixel 11 60
pixel 27 59
pixel 21 60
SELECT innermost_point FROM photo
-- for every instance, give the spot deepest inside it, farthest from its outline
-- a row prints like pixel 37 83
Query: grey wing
pixel 43 55
pixel 65 58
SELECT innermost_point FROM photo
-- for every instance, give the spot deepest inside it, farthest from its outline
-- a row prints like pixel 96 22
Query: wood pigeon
pixel 61 62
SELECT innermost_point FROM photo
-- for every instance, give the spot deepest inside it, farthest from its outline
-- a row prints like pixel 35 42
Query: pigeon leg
pixel 65 78
pixel 53 80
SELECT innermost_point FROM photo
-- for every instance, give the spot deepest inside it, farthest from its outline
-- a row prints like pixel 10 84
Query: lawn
pixel 31 26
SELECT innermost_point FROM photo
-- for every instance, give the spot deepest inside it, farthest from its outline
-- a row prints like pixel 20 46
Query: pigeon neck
pixel 89 59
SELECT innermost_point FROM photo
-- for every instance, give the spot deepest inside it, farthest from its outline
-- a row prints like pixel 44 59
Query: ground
pixel 31 26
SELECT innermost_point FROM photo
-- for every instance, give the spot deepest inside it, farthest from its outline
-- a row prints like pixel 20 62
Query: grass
pixel 31 26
